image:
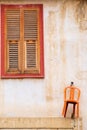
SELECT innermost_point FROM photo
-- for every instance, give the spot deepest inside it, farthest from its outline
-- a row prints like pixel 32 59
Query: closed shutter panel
pixel 30 24
pixel 31 54
pixel 13 39
pixel 31 40
pixel 13 55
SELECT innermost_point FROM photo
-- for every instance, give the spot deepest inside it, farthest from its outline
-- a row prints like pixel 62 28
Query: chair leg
pixel 66 109
pixel 77 109
pixel 73 114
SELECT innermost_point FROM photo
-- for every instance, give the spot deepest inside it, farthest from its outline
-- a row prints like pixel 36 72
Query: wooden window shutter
pixel 31 38
pixel 12 39
pixel 22 41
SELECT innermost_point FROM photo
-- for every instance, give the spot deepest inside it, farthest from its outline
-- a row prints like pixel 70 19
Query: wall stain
pixel 51 55
pixel 49 94
pixel 81 15
pixel 81 75
pixel 62 37
pixel 62 43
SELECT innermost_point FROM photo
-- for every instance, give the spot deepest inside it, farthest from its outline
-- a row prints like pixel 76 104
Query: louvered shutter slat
pixel 13 55
pixel 13 38
pixel 30 25
pixel 13 24
pixel 31 55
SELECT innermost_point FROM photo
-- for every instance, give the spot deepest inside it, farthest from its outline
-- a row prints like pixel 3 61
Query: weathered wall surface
pixel 40 123
pixel 65 50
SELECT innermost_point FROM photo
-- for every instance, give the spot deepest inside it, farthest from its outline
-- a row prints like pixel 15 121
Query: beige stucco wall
pixel 65 60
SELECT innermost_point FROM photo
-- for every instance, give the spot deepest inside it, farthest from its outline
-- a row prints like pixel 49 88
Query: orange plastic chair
pixel 71 95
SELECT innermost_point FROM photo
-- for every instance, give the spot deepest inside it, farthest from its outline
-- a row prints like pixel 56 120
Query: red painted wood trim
pixel 41 42
pixel 0 41
pixel 3 73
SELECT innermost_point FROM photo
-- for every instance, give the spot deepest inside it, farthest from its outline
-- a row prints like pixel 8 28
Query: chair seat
pixel 72 101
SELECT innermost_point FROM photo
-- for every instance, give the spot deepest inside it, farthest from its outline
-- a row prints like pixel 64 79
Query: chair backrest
pixel 71 93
